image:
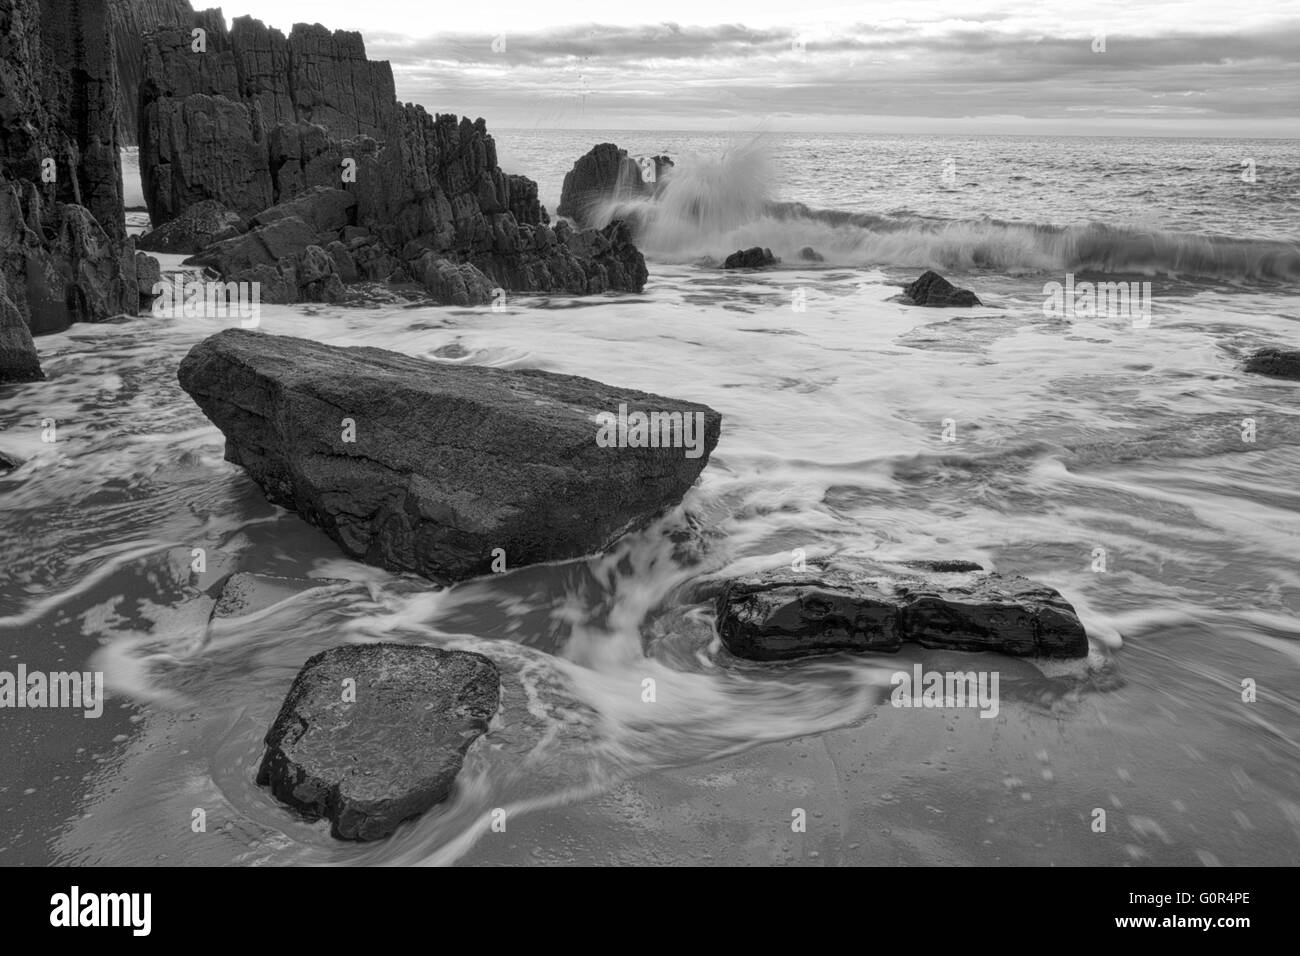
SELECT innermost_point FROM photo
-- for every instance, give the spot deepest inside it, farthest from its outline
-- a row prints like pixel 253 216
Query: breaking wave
pixel 709 206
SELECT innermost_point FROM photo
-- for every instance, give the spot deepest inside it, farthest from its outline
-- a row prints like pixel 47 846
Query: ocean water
pixel 1109 456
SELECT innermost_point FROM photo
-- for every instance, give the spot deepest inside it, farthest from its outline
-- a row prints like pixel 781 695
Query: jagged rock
pixel 809 254
pixel 284 237
pixel 18 359
pixel 266 120
pixel 131 19
pixel 202 147
pixel 606 173
pixel 860 606
pixel 367 764
pixel 344 264
pixel 933 290
pixel 452 283
pixel 1275 362
pixel 277 282
pixel 755 258
pixel 449 462
pixel 323 208
pixel 198 227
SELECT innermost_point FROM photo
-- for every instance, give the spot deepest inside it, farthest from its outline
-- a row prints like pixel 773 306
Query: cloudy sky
pixel 1174 67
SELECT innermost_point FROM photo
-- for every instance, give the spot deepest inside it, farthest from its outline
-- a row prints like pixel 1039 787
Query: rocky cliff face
pixel 261 119
pixel 64 255
pixel 131 19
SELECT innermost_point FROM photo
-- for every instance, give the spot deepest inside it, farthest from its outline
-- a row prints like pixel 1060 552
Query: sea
pixel 1119 455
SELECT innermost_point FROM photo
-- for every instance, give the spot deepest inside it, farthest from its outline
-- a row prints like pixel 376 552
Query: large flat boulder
pixel 374 734
pixel 441 464
pixel 862 606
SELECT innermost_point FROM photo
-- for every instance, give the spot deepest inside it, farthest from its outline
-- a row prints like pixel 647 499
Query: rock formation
pixel 64 255
pixel 441 469
pixel 390 750
pixel 261 119
pixel 607 173
pixel 859 606
pixel 933 290
pixel 131 19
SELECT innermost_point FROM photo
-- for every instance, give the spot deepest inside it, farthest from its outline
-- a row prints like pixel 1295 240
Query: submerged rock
pixel 934 290
pixel 1275 362
pixel 786 614
pixel 433 468
pixel 246 592
pixel 374 734
pixel 755 258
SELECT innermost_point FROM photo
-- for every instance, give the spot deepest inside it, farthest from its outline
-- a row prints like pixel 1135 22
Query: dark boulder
pixel 933 290
pixel 755 258
pixel 786 614
pixel 1275 362
pixel 374 734
pixel 198 227
pixel 443 464
pixel 809 254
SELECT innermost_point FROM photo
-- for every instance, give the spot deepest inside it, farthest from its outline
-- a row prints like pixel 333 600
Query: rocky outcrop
pixel 64 255
pixel 131 19
pixel 605 174
pixel 374 734
pixel 859 606
pixel 261 120
pixel 755 258
pixel 439 469
pixel 809 254
pixel 933 290
pixel 1277 363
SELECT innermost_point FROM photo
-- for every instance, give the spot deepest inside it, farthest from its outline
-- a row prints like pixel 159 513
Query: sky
pixel 1038 67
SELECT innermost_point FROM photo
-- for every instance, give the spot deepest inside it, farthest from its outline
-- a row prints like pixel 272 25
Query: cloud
pixel 969 66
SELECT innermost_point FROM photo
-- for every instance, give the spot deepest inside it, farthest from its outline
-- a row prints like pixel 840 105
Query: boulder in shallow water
pixel 755 258
pixel 431 467
pixel 1275 362
pixel 862 606
pixel 935 291
pixel 247 592
pixel 387 751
